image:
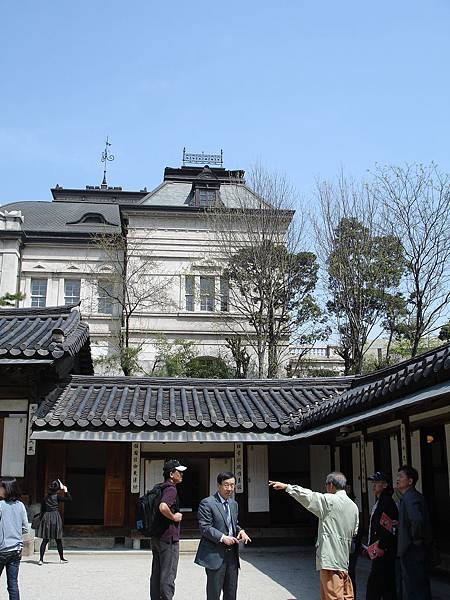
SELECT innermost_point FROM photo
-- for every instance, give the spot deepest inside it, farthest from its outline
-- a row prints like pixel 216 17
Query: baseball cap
pixel 174 465
pixel 378 476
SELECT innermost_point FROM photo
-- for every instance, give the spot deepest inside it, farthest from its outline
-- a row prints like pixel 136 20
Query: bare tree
pixel 416 199
pixel 259 245
pixel 363 267
pixel 127 278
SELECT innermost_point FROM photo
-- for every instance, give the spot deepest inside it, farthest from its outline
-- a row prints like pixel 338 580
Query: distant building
pixel 47 253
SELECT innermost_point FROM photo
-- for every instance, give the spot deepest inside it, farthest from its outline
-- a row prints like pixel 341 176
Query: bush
pixel 208 367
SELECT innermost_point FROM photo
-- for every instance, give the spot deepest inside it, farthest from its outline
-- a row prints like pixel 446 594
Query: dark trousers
pixel 381 581
pixel 164 569
pixel 224 578
pixel 416 582
pixel 12 574
pixel 353 558
pixel 43 547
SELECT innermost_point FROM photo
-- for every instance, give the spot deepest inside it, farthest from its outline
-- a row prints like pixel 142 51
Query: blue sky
pixel 304 87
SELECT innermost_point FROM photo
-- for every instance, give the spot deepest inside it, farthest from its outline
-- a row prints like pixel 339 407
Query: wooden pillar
pixel 405 440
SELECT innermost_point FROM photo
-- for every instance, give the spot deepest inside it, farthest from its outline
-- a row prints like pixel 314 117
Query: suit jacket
pixel 414 522
pixel 387 540
pixel 212 524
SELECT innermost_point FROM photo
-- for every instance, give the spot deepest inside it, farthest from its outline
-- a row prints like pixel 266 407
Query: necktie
pixel 228 517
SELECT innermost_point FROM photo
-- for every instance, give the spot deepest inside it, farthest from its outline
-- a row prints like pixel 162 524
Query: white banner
pixel 239 466
pixel 31 444
pixel 135 466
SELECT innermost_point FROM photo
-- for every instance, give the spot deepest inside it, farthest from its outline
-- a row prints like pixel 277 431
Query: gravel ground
pixel 266 574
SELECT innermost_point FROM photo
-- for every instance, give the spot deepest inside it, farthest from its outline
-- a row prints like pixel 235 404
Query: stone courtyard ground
pixel 266 574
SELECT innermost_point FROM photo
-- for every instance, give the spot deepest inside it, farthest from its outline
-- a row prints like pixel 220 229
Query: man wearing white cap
pixel 165 546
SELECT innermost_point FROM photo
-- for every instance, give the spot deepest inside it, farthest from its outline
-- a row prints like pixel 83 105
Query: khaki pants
pixel 335 585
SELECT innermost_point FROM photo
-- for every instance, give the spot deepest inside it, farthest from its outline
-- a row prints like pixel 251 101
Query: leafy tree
pixel 444 333
pixel 260 248
pixel 362 269
pixel 273 289
pixel 208 367
pixel 11 299
pixel 172 358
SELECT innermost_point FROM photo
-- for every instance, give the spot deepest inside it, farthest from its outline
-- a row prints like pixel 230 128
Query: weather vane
pixel 106 156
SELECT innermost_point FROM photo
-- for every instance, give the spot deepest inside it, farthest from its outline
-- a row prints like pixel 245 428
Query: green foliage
pixel 322 373
pixel 208 367
pixel 172 358
pixel 401 348
pixel 124 359
pixel 275 290
pixel 444 333
pixel 11 299
pixel 362 268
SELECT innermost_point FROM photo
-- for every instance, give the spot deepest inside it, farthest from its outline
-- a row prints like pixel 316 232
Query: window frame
pixel 36 298
pixel 189 293
pixel 66 295
pixel 104 300
pixel 208 297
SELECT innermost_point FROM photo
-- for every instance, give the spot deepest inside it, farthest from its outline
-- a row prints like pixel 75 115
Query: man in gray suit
pixel 218 550
pixel 414 536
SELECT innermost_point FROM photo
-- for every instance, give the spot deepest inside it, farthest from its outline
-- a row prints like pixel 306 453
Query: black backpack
pixel 147 514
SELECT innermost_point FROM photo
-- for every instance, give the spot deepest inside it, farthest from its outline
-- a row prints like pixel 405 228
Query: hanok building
pixel 38 348
pixel 109 436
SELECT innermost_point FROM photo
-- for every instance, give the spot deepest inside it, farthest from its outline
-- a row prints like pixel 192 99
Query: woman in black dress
pixel 50 526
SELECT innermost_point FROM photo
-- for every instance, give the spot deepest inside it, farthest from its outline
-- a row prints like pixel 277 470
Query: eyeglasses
pixel 228 486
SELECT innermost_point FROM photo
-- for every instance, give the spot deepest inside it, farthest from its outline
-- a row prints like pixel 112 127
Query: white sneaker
pixel 40 563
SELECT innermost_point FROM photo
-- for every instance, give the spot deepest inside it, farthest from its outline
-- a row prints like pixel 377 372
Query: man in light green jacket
pixel 338 523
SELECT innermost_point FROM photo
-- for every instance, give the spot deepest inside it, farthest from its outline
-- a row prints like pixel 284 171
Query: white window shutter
pixel 258 478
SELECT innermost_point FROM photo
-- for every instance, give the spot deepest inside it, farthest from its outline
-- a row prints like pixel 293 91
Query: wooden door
pixel 115 485
pixel 55 466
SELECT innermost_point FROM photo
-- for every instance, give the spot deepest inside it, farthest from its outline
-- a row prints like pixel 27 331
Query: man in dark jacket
pixel 218 550
pixel 165 545
pixel 414 536
pixel 382 529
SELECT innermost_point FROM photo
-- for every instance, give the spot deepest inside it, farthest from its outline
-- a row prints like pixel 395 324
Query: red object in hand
pixel 374 551
pixel 387 522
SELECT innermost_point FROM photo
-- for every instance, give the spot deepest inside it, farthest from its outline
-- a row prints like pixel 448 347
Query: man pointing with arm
pixel 338 523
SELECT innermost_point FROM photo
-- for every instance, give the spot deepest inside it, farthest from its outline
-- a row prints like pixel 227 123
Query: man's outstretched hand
pixel 277 485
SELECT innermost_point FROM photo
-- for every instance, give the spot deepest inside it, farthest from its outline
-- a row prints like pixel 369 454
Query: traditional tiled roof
pixel 378 388
pixel 192 404
pixel 51 332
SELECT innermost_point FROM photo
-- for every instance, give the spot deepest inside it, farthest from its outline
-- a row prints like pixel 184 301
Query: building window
pixel 207 293
pixel 105 300
pixel 38 292
pixel 224 295
pixel 206 197
pixel 189 286
pixel 71 291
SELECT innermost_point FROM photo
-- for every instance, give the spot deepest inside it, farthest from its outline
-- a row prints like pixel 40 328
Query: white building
pixel 47 253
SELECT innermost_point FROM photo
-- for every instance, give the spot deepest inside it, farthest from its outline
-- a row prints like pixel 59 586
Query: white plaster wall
pixel 356 461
